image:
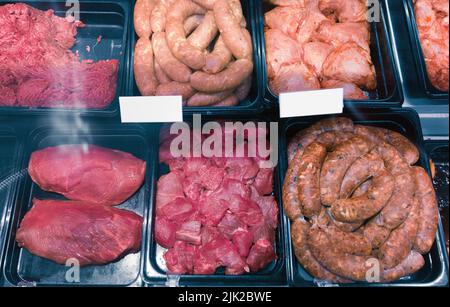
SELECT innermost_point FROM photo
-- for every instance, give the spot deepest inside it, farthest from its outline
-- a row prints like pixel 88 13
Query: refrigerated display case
pixel 405 101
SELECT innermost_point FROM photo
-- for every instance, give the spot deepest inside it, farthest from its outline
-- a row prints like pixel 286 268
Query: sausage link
pixel 219 58
pixel 363 188
pixel 401 240
pixel 244 89
pixel 304 138
pixel 228 79
pixel 236 8
pixel 205 33
pixel 290 198
pixel 429 212
pixel 176 36
pixel 413 263
pixel 308 179
pixel 161 74
pixel 360 171
pixel 175 89
pixel 337 164
pixel 175 69
pixel 144 70
pixel 158 17
pixel 361 208
pixel 353 267
pixel 407 149
pixel 236 38
pixel 344 241
pixel 397 209
pixel 230 101
pixel 204 99
pixel 142 14
pixel 192 23
pixel 299 233
pixel 376 233
pixel 207 4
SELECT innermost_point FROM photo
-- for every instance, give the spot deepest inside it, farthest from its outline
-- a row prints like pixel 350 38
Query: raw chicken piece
pixel 351 91
pixel 345 10
pixel 310 22
pixel 294 77
pixel 281 50
pixel 315 54
pixel 341 33
pixel 441 6
pixel 286 19
pixel 433 25
pixel 350 63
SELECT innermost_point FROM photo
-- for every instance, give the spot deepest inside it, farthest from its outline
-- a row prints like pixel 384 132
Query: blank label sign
pixel 310 103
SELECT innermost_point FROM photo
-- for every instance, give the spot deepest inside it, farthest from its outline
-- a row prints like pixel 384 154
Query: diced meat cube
pixel 192 187
pixel 220 253
pixel 243 240
pixel 211 177
pixel 165 232
pixel 179 210
pixel 169 188
pixel 230 224
pixel 269 208
pixel 180 258
pixel 241 169
pixel 263 231
pixel 213 210
pixel 209 233
pixel 261 254
pixel 264 181
pixel 190 232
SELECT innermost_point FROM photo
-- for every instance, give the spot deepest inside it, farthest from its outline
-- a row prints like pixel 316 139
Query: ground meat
pixel 38 69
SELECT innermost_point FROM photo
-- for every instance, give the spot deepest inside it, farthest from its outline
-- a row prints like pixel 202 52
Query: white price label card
pixel 151 109
pixel 310 103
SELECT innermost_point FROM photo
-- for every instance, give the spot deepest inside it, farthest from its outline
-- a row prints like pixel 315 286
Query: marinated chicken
pixel 432 23
pixel 313 44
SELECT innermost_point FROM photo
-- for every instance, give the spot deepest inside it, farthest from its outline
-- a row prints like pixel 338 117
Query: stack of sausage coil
pixel 199 49
pixel 354 197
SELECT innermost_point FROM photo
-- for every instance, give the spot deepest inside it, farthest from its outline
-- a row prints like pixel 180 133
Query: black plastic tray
pixel 254 102
pixel 388 93
pixel 106 18
pixel 154 272
pixel 9 150
pixel 23 269
pixel 405 121
pixel 438 152
pixel 429 89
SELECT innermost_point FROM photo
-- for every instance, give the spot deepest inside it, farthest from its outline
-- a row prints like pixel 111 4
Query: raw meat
pixel 433 25
pixel 216 212
pixel 311 45
pixel 37 68
pixel 87 173
pixel 92 234
pixel 352 64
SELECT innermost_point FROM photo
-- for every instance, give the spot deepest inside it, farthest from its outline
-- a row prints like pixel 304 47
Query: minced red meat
pixel 38 69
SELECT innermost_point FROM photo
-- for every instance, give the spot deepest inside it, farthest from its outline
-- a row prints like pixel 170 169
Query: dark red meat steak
pixel 92 234
pixel 87 173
